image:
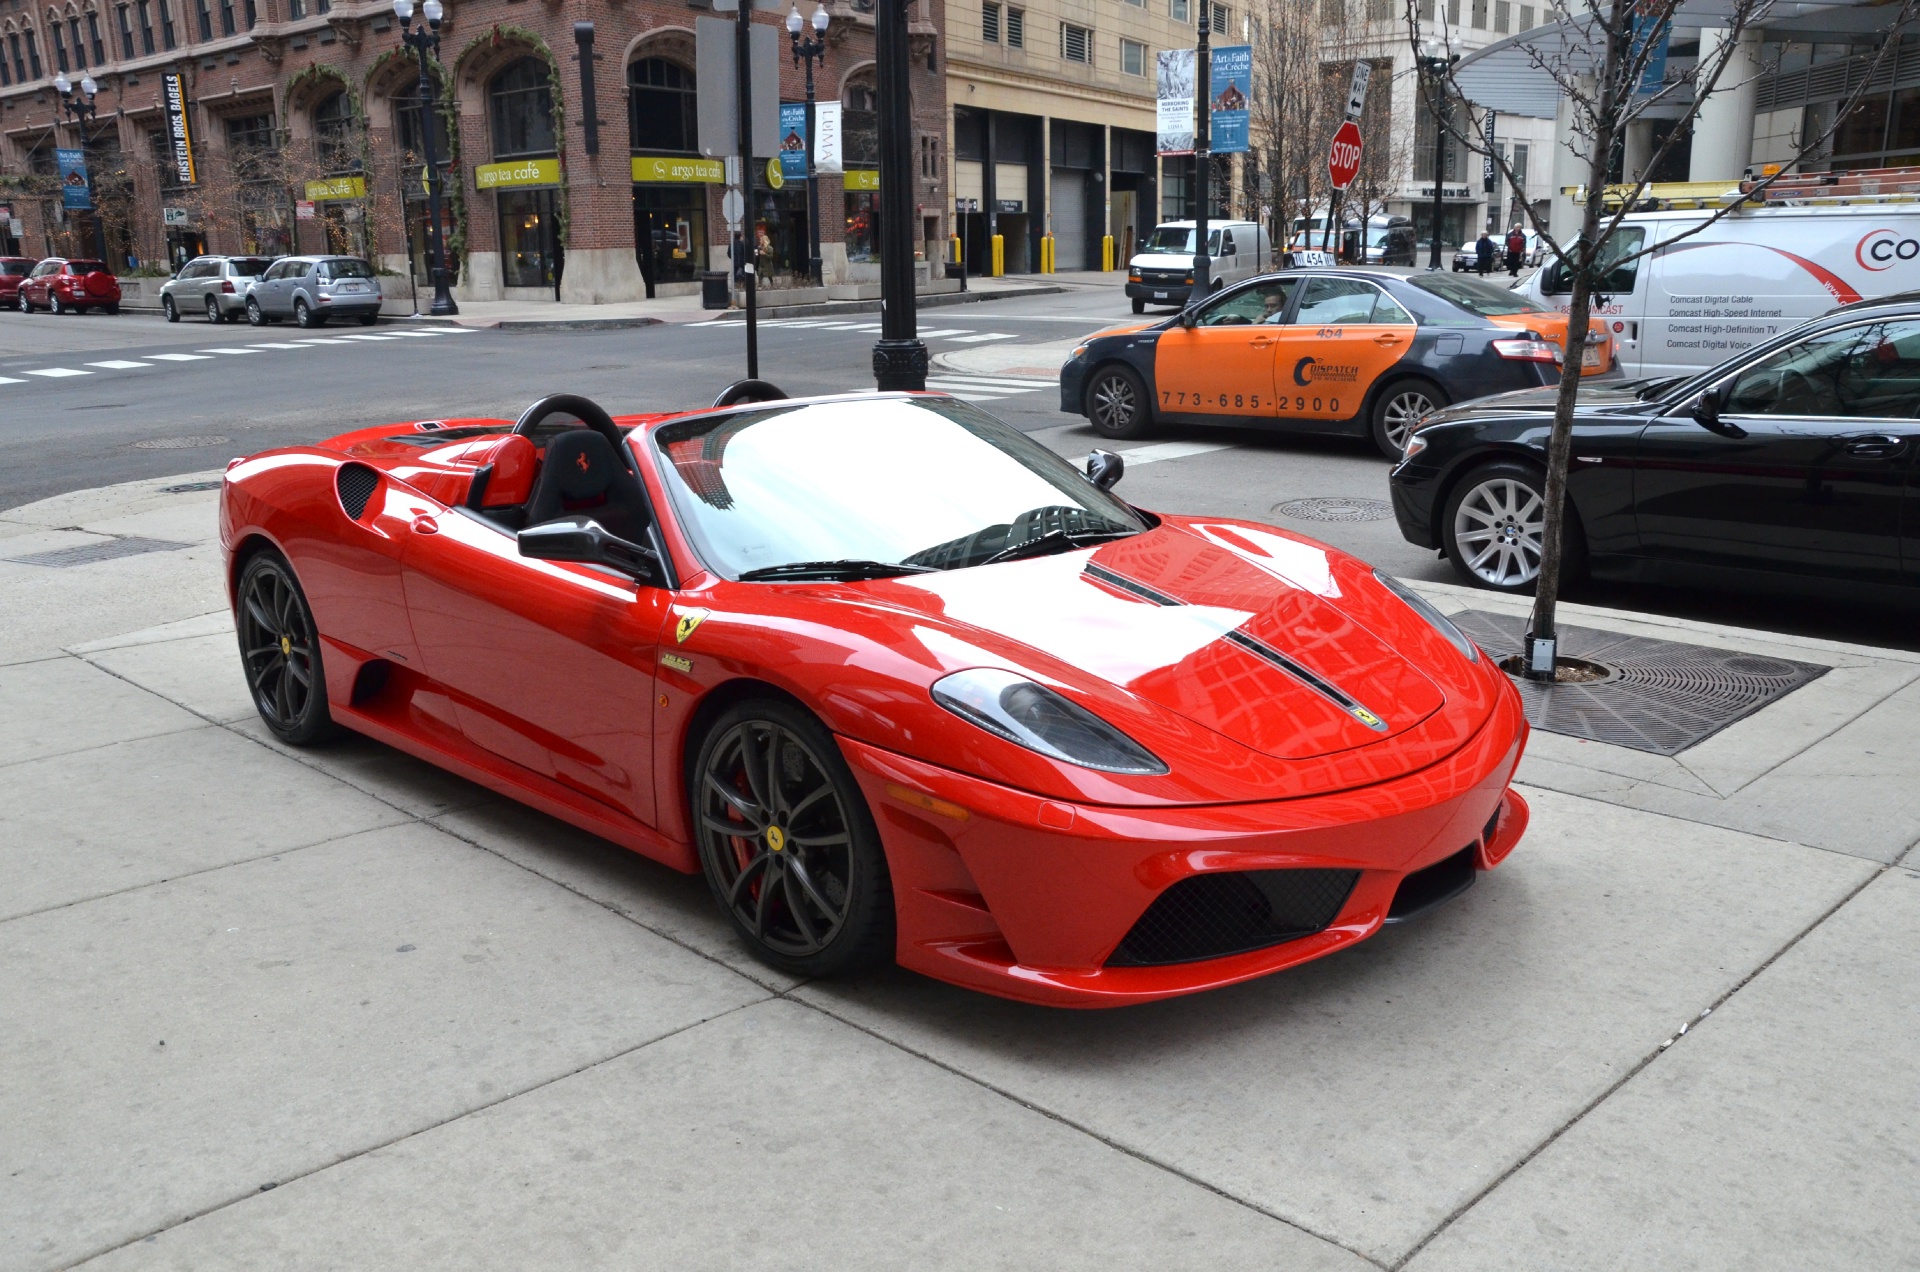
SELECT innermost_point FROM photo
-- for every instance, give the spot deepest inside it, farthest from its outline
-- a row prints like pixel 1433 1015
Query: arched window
pixel 406 115
pixel 661 107
pixel 860 123
pixel 521 102
pixel 336 131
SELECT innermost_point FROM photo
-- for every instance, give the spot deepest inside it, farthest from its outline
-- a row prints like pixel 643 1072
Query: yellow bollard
pixel 1106 253
pixel 957 257
pixel 999 255
pixel 1046 254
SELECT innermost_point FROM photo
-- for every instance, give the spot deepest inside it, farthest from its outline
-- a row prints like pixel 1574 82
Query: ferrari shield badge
pixel 689 621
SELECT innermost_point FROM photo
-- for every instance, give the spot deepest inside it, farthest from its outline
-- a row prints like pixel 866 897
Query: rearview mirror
pixel 587 542
pixel 1104 469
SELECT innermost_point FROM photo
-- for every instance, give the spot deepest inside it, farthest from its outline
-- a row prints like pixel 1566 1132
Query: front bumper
pixel 1412 489
pixel 1165 293
pixel 1002 891
pixel 1073 386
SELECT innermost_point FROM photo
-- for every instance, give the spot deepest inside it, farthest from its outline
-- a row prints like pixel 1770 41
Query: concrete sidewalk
pixel 334 1008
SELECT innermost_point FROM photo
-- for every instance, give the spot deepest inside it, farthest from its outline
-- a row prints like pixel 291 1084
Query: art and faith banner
pixel 1231 87
pixel 793 140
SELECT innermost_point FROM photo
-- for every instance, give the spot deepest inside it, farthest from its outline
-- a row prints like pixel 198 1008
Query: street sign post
pixel 1357 95
pixel 1343 157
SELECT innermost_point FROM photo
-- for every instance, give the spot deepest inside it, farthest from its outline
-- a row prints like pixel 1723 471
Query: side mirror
pixel 1707 410
pixel 1105 469
pixel 586 541
pixel 1186 319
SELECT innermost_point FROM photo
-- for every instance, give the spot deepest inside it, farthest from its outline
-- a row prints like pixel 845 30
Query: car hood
pixel 1611 397
pixel 1192 625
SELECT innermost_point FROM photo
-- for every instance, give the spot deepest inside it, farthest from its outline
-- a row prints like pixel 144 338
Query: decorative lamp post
pixel 899 358
pixel 1202 155
pixel 79 109
pixel 1434 66
pixel 810 50
pixel 425 41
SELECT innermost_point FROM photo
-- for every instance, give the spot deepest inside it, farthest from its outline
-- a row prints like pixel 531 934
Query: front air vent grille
pixel 355 484
pixel 1231 912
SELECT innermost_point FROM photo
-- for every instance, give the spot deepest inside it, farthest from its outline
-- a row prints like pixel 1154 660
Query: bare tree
pixel 1598 54
pixel 1289 108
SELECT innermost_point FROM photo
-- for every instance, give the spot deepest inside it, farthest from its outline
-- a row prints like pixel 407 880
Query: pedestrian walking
pixel 1516 250
pixel 1483 250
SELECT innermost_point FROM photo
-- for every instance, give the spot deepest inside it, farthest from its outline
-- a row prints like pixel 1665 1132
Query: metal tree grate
pixel 1662 697
pixel 90 553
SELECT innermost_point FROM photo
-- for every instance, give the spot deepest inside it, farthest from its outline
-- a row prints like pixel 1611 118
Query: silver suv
pixel 312 289
pixel 215 285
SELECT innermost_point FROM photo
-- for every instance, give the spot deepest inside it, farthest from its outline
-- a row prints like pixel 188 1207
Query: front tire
pixel 112 309
pixel 787 843
pixel 1139 306
pixel 280 652
pixel 1493 525
pixel 256 317
pixel 1401 408
pixel 171 310
pixel 1117 404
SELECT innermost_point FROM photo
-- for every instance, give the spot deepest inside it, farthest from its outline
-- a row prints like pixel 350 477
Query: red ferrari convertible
pixel 898 680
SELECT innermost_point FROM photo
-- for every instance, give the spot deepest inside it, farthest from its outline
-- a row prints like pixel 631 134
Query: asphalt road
pixel 70 419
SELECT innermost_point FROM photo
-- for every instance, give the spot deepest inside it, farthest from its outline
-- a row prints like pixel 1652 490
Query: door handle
pixel 1263 344
pixel 424 524
pixel 1875 447
pixel 1387 338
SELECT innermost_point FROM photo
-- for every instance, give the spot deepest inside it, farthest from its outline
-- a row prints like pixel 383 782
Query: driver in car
pixel 1272 304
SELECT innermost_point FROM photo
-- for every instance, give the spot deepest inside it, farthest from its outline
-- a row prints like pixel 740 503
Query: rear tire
pixel 367 320
pixel 1492 524
pixel 1117 404
pixel 113 309
pixel 171 310
pixel 215 314
pixel 304 317
pixel 1399 409
pixel 787 842
pixel 280 652
pixel 58 305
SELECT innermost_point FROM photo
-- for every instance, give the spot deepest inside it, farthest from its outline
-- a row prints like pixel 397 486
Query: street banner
pixel 793 141
pixel 826 138
pixel 1232 88
pixel 72 165
pixel 1650 33
pixel 173 102
pixel 1488 169
pixel 1173 102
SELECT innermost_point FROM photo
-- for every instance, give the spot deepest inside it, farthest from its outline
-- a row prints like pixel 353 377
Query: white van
pixel 1696 301
pixel 1161 273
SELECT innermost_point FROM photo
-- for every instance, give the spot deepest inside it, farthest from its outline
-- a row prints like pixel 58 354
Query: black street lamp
pixel 423 42
pixel 79 109
pixel 1202 155
pixel 810 50
pixel 1434 67
pixel 899 358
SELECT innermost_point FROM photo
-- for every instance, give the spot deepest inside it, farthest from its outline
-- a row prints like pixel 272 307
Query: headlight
pixel 1077 351
pixel 1424 608
pixel 1415 444
pixel 1033 716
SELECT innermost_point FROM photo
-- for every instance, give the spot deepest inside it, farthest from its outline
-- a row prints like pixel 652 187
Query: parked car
pixel 69 286
pixel 312 289
pixel 1787 467
pixel 1320 351
pixel 1161 272
pixel 1467 259
pixel 214 285
pixel 12 270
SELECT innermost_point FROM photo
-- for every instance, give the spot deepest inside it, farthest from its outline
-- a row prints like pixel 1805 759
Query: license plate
pixel 351 287
pixel 1589 357
pixel 1159 295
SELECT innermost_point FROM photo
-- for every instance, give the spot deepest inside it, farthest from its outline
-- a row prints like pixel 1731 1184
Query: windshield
pixel 1177 240
pixel 345 269
pixel 1479 297
pixel 925 482
pixel 249 266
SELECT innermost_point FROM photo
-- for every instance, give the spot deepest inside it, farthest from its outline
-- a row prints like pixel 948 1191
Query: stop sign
pixel 1343 159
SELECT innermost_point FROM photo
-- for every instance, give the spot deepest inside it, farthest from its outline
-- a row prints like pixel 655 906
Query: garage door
pixel 1069 218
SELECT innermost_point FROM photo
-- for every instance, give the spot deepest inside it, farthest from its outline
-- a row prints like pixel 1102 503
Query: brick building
pixel 307 131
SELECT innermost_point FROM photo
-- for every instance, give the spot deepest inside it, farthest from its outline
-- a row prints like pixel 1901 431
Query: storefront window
pixel 863 228
pixel 670 230
pixel 528 240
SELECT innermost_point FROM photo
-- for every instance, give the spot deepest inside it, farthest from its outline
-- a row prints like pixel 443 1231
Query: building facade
pixel 570 155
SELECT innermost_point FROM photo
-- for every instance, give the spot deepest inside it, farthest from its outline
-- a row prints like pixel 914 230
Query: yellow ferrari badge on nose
pixel 688 622
pixel 1367 718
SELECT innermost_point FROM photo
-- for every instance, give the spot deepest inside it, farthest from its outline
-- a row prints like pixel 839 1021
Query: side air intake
pixel 1231 912
pixel 355 484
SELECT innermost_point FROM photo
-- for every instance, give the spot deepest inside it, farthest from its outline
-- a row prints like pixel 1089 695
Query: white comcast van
pixel 1697 301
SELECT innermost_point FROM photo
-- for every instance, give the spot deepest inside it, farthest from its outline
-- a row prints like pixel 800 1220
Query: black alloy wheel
pixel 1117 404
pixel 171 310
pixel 787 844
pixel 280 652
pixel 214 314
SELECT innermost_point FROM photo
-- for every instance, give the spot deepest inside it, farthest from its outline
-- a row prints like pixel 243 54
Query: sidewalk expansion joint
pixel 1661 1048
pixel 185 874
pixel 404 1136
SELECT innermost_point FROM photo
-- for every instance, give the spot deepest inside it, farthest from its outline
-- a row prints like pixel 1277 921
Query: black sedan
pixel 1788 467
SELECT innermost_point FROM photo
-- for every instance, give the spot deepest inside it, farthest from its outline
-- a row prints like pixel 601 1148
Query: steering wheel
pixel 1798 395
pixel 585 410
pixel 748 391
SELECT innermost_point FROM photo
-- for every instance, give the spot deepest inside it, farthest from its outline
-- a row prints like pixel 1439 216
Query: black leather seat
pixel 582 477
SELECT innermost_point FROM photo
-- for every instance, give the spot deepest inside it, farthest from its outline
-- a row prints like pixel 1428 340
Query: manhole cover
pixel 89 553
pixel 179 443
pixel 189 487
pixel 1663 696
pixel 1334 508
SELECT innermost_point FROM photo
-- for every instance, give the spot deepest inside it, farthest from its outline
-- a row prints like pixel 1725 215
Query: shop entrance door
pixel 669 233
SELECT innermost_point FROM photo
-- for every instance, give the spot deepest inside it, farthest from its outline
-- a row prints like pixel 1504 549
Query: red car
pixel 69 286
pixel 901 682
pixel 13 270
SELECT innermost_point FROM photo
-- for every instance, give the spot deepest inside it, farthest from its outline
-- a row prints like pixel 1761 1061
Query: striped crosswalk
pixel 153 361
pixel 984 388
pixel 958 335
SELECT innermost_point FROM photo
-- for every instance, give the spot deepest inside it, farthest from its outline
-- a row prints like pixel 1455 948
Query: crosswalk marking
pixel 319 340
pixel 58 373
pixel 218 351
pixel 990 335
pixel 369 337
pixel 147 361
pixel 944 331
pixel 277 345
pixel 984 388
pixel 178 357
pixel 5 380
pixel 1170 450
pixel 416 333
pixel 117 364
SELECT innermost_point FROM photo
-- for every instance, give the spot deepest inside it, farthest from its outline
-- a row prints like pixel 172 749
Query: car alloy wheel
pixel 1117 403
pixel 303 315
pixel 26 306
pixel 255 318
pixel 1498 525
pixel 280 650
pixel 56 304
pixel 171 310
pixel 786 842
pixel 213 311
pixel 1402 409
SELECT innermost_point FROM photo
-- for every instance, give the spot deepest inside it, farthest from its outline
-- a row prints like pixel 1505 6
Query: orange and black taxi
pixel 1322 351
